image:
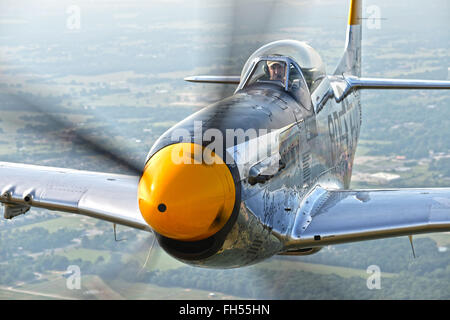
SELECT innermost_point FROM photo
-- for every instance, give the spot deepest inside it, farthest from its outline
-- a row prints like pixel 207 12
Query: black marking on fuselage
pixel 343 129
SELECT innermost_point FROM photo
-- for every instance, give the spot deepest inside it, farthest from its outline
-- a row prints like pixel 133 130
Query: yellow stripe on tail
pixel 355 14
pixel 350 62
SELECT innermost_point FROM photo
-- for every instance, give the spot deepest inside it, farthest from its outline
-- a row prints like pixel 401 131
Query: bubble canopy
pixel 306 57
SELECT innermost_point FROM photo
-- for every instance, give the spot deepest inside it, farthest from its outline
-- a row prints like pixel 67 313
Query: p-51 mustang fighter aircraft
pixel 261 173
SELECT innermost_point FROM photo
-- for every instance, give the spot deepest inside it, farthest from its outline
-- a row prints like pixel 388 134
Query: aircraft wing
pixel 329 217
pixel 105 196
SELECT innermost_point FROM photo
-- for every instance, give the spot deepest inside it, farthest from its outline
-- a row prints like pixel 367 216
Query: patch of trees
pixel 442 166
pixel 106 241
pixel 391 255
pixel 291 284
pixel 414 124
pixel 37 239
pixel 27 219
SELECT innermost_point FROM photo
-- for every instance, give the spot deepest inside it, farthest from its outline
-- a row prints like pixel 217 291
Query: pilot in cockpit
pixel 277 70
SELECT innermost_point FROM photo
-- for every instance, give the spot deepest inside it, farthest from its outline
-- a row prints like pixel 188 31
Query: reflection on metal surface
pixel 311 205
pixel 301 252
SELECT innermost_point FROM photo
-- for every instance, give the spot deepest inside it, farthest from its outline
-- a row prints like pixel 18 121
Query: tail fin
pixel 351 61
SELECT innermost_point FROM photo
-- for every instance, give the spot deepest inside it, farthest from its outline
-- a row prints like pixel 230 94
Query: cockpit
pixel 277 70
pixel 269 70
pixel 292 65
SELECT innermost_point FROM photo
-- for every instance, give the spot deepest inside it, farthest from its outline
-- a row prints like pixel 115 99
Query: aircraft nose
pixel 185 193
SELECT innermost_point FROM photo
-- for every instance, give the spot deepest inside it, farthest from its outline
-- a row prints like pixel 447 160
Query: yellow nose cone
pixel 186 192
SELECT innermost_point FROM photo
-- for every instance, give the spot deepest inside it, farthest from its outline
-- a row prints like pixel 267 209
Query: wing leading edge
pixel 329 217
pixel 110 197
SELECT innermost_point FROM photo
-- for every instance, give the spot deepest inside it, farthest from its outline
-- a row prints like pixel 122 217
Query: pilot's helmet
pixel 270 63
pixel 273 62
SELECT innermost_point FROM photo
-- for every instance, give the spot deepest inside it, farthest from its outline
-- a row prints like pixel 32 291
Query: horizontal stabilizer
pixel 214 79
pixel 381 83
pixel 357 83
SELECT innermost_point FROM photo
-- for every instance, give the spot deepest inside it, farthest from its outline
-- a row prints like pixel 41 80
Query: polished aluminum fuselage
pixel 317 139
